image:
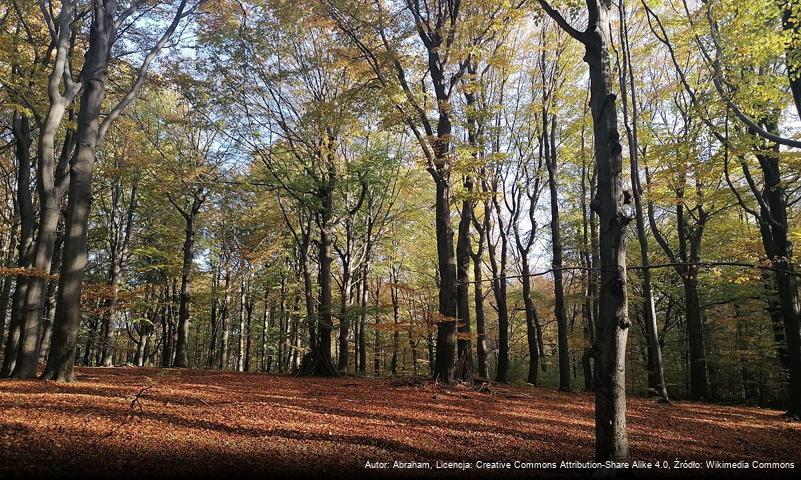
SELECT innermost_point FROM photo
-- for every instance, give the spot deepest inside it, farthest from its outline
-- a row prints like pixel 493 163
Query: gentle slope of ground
pixel 149 421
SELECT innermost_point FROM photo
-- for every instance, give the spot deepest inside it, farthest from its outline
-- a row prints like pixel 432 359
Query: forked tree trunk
pixel 50 186
pixel 68 303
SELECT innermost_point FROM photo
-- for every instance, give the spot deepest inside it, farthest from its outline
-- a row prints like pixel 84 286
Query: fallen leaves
pixel 224 423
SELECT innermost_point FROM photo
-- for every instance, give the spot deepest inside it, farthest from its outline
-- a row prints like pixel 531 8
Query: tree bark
pixel 68 302
pixel 611 439
pixel 464 363
pixel 478 299
pixel 549 144
pixel 499 289
pixel 775 229
pixel 240 356
pixel 185 299
pixel 656 375
pixel 50 186
pixel 24 205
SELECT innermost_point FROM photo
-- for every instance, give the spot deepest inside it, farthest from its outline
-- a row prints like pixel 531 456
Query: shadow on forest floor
pixel 126 421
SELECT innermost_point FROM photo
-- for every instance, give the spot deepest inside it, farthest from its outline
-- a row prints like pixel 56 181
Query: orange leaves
pixel 26 272
pixel 219 423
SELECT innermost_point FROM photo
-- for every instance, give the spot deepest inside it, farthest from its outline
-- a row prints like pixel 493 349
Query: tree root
pixel 316 365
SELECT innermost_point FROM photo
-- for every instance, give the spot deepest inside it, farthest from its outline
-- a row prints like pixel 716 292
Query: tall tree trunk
pixel 776 238
pixel 68 303
pixel 240 356
pixel 224 326
pixel 587 276
pixel 24 206
pixel 215 310
pixel 362 338
pixel 478 299
pixel 318 362
pixel 549 144
pixel 532 321
pixel 446 326
pixel 182 340
pixel 464 363
pixel 699 385
pixel 499 290
pixel 249 305
pixel 611 439
pixel 345 297
pixel 656 375
pixel 393 292
pixel 50 185
pixel 376 331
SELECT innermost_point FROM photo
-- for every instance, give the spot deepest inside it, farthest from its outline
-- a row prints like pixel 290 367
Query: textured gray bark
pixel 50 186
pixel 90 131
pixel 656 375
pixel 549 143
pixel 611 439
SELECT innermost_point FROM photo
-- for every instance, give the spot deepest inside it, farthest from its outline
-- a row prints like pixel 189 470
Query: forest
pixel 429 237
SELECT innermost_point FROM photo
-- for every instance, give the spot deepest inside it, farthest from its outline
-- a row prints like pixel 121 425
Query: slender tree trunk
pixel 532 321
pixel 214 320
pixel 656 375
pixel 499 290
pixel 224 327
pixel 446 327
pixel 345 298
pixel 478 299
pixel 393 292
pixel 376 332
pixel 182 340
pixel 587 277
pixel 249 305
pixel 24 206
pixel 549 144
pixel 611 439
pixel 776 238
pixel 240 357
pixel 464 364
pixel 363 294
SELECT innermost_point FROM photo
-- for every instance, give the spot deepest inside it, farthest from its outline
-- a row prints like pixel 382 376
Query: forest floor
pixel 126 421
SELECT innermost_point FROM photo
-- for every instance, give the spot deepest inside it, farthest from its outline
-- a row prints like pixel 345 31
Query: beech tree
pixel 612 324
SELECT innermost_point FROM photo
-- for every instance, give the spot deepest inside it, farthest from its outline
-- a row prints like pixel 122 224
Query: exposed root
pixel 316 365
